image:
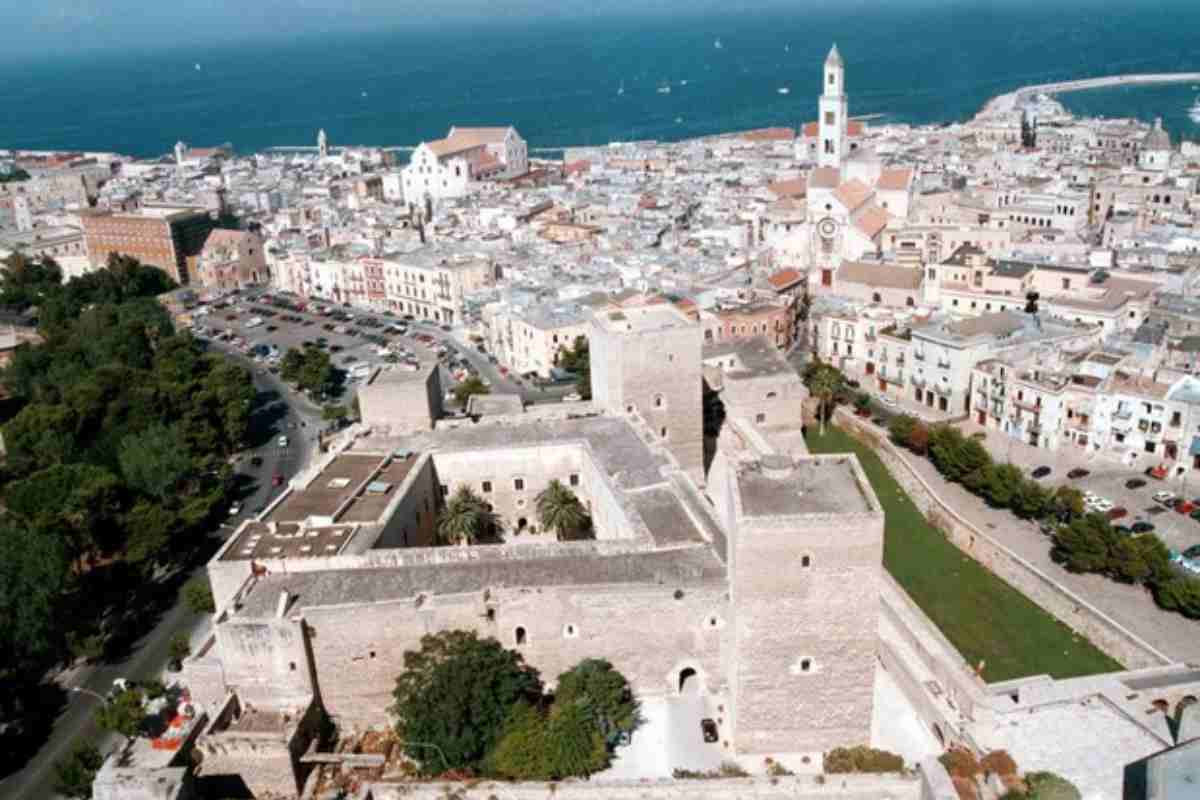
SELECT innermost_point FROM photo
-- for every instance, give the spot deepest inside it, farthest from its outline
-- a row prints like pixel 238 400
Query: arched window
pixel 876 298
pixel 659 401
pixel 519 635
pixel 908 301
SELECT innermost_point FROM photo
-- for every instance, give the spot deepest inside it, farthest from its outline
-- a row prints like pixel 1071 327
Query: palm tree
pixel 465 518
pixel 560 511
pixel 823 385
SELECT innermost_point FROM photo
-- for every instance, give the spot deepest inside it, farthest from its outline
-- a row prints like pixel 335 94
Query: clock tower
pixel 833 105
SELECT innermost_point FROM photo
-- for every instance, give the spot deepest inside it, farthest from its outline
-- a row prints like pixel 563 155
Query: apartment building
pixel 167 237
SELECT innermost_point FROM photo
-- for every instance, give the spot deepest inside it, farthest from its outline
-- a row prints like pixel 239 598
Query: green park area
pixel 981 615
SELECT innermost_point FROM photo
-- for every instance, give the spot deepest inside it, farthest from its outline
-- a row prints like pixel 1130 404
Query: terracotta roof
pixel 765 135
pixel 785 279
pixel 872 221
pixel 853 194
pixel 576 166
pixel 448 147
pixel 824 178
pixel 472 137
pixel 894 180
pixel 219 237
pixel 854 129
pixel 883 276
pixel 795 187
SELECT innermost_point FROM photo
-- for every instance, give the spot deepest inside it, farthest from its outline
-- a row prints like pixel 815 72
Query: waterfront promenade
pixel 1005 103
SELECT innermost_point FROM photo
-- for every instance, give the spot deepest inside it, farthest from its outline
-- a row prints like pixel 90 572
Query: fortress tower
pixel 804 556
pixel 833 108
pixel 646 362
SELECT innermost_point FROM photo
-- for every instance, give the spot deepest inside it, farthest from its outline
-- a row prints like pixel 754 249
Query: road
pixel 147 658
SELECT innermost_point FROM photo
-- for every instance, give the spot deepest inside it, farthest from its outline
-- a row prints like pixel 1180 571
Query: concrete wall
pixel 402 405
pixel 777 398
pixel 417 495
pixel 358 650
pixel 266 661
pixel 1104 632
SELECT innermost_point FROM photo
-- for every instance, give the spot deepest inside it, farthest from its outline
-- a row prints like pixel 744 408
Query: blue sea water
pixel 915 61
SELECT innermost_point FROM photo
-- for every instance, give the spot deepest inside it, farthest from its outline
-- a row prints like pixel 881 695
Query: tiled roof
pixel 795 187
pixel 894 180
pixel 765 135
pixel 853 194
pixel 473 137
pixel 872 221
pixel 854 129
pixel 824 178
pixel 885 276
pixel 785 279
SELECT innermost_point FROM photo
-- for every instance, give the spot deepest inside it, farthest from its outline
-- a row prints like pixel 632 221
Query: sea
pixel 603 78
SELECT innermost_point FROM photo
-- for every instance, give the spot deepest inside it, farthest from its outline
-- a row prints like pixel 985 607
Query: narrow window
pixel 519 635
pixel 574 479
pixel 805 561
pixel 519 484
pixel 663 432
pixel 487 487
pixel 805 664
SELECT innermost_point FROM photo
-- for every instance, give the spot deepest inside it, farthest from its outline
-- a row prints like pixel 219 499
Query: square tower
pixel 646 362
pixel 833 124
pixel 806 555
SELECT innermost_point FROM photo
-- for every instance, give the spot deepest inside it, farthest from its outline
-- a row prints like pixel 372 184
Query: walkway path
pixel 1131 606
pixel 1005 103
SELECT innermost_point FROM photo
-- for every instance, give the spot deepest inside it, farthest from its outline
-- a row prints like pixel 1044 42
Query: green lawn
pixel 979 613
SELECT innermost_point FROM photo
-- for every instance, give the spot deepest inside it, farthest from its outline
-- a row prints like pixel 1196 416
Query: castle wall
pixel 806 636
pixel 359 650
pixel 266 661
pixel 418 495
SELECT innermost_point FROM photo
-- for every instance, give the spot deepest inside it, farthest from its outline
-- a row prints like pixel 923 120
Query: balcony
pixel 998 391
pixel 1123 413
pixel 918 380
pixel 895 376
pixel 943 364
pixel 918 355
pixel 900 360
pixel 943 390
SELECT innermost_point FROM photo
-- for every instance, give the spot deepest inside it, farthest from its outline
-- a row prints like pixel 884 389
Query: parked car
pixel 708 728
pixel 235 509
pixel 1134 483
pixel 1195 515
pixel 1118 512
pixel 1142 527
pixel 256 461
pixel 1192 552
pixel 1041 472
pixel 1185 507
pixel 1077 473
pixel 887 400
pixel 1163 496
pixel 283 441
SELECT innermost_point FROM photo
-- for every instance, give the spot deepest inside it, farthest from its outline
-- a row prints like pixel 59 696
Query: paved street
pixel 282 412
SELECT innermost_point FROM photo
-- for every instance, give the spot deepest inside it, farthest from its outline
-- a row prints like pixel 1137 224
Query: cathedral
pixel 846 198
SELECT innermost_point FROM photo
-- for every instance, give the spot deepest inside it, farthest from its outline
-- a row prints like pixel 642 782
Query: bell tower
pixel 833 108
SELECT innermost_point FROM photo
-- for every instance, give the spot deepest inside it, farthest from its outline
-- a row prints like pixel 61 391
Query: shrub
pixel 1181 594
pixel 999 762
pixel 777 770
pixel 901 427
pixel 75 773
pixel 198 596
pixel 960 763
pixel 179 647
pixel 862 759
pixel 1049 786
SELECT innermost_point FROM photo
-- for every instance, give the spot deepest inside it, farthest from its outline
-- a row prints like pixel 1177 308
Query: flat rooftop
pixel 751 358
pixel 261 540
pixel 326 493
pixel 781 486
pixel 369 505
pixel 644 319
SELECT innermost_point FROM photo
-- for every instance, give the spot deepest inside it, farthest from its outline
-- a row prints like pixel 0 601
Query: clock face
pixel 827 228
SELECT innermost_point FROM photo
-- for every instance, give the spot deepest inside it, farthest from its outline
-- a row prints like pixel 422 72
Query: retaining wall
pixel 1106 633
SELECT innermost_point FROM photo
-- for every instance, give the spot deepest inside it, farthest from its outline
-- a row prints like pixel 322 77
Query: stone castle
pixel 755 581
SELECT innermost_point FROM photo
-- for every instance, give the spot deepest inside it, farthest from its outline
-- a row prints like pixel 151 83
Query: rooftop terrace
pixel 780 486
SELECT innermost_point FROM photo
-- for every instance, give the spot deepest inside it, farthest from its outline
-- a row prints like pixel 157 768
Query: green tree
pixel 150 528
pixel 1030 500
pixel 824 383
pixel 26 282
pixel 604 692
pixel 560 511
pixel 331 412
pixel 198 596
pixel 465 518
pixel 520 753
pixel 1180 593
pixel 124 713
pixel 291 365
pixel 79 500
pixel 955 455
pixel 578 360
pixel 1085 544
pixel 179 648
pixel 34 570
pixel 900 428
pixel 455 695
pixel 573 745
pixel 1049 786
pixel 472 385
pixel 156 461
pixel 1067 500
pixel 75 773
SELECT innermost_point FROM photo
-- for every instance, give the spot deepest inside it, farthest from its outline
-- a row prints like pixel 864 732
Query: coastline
pixel 1005 103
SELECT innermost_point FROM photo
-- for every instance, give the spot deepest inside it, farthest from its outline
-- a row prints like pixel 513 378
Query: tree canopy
pixel 578 360
pixel 456 694
pixel 560 511
pixel 310 369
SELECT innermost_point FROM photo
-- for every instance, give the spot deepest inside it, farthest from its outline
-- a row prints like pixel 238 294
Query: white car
pixel 235 509
pixel 1104 506
pixel 1090 497
pixel 1163 497
pixel 886 400
pixel 283 441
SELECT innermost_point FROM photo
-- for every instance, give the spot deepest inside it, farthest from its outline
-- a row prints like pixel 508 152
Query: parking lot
pixel 1177 531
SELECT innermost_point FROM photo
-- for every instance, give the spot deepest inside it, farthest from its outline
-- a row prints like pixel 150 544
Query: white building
pixel 446 168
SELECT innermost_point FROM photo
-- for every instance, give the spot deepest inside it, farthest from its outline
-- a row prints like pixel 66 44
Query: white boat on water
pixel 717 44
pixel 783 90
pixel 664 88
pixel 1194 111
pixel 621 90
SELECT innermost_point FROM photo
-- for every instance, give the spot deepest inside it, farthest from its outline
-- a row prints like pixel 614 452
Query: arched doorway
pixel 689 681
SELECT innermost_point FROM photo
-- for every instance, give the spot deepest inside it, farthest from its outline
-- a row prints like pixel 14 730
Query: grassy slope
pixel 979 613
